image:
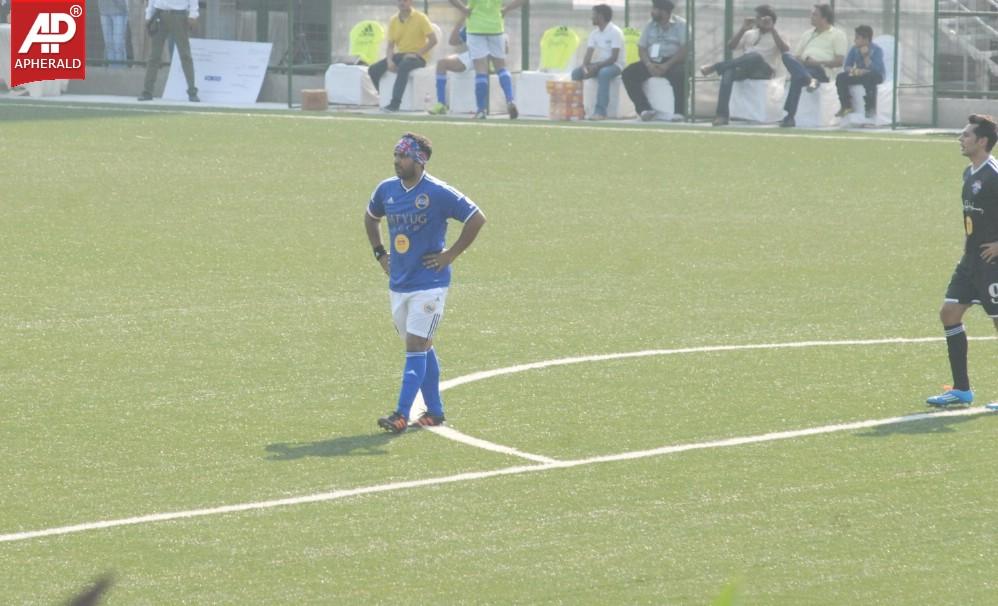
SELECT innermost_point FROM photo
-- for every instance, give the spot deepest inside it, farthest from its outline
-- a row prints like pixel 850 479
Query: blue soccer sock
pixel 442 88
pixel 482 91
pixel 506 82
pixel 431 385
pixel 412 378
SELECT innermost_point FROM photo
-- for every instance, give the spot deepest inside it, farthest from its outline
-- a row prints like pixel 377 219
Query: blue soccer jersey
pixel 417 226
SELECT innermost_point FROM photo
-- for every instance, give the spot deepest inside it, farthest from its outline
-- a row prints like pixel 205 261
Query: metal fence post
pixel 525 37
pixel 291 47
pixel 691 95
pixel 896 66
pixel 935 59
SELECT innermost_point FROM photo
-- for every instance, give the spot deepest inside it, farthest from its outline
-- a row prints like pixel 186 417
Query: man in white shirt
pixel 175 19
pixel 820 51
pixel 761 47
pixel 604 58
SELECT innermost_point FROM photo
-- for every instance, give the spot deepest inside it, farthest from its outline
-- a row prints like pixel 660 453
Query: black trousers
pixel 172 24
pixel 634 76
pixel 747 67
pixel 405 62
pixel 869 81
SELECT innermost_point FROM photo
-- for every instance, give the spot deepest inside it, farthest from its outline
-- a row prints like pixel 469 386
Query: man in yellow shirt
pixel 410 38
pixel 820 51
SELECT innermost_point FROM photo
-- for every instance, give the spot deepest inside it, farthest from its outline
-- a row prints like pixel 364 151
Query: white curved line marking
pixel 488 374
pixel 453 434
pixel 465 477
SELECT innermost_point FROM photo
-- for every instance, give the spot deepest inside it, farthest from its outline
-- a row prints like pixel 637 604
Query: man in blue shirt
pixel 417 207
pixel 865 66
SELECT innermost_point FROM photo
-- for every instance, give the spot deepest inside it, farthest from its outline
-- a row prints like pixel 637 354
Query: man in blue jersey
pixel 417 207
pixel 975 280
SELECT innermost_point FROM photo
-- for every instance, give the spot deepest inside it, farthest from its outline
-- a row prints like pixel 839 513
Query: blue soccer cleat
pixel 952 397
pixel 992 406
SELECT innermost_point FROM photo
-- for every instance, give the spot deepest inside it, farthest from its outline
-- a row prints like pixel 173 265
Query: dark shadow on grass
pixel 928 425
pixel 346 446
pixel 93 595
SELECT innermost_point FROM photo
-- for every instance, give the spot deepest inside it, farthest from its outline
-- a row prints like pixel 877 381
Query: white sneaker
pixel 648 115
pixel 992 406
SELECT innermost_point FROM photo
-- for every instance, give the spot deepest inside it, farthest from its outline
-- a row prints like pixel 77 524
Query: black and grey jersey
pixel 980 205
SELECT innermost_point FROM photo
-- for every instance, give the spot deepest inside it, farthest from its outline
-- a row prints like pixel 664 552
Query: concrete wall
pixel 128 82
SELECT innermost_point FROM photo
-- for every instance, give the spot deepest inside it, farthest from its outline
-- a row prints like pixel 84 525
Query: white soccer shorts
pixel 466 59
pixel 485 45
pixel 418 313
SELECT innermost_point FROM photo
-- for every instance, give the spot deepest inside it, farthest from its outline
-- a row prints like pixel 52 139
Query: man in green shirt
pixel 486 41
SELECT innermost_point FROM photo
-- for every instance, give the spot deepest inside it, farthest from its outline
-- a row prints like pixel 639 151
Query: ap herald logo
pixel 48 40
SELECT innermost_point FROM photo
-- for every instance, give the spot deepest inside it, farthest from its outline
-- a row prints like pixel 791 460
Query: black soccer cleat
pixel 428 420
pixel 394 423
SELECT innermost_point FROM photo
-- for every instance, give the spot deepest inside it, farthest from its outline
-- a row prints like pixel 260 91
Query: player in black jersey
pixel 975 280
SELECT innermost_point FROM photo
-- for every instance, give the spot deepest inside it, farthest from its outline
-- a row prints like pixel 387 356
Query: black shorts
pixel 975 282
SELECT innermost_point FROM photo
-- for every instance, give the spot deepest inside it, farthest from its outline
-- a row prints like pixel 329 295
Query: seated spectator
pixel 457 63
pixel 820 50
pixel 604 58
pixel 864 66
pixel 662 54
pixel 410 39
pixel 759 46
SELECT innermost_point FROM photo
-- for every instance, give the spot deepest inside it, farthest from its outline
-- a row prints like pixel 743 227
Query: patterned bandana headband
pixel 407 146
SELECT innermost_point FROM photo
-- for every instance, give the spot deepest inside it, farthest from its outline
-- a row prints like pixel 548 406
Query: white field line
pixel 453 434
pixel 463 477
pixel 445 431
pixel 480 475
pixel 673 129
pixel 488 374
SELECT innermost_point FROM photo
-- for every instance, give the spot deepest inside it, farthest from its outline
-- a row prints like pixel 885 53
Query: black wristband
pixel 379 251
